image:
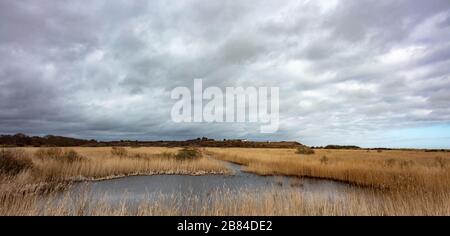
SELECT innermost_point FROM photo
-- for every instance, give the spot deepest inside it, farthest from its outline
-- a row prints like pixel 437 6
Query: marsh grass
pixel 58 154
pixel 416 170
pixel 225 203
pixel 399 182
pixel 119 151
pixel 47 169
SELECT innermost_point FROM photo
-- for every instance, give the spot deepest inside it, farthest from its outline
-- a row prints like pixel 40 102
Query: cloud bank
pixel 349 72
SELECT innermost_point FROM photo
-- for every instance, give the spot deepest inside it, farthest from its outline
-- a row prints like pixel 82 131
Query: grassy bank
pixel 48 169
pixel 412 170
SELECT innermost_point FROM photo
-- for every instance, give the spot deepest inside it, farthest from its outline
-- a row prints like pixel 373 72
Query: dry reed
pixel 413 170
pixel 225 203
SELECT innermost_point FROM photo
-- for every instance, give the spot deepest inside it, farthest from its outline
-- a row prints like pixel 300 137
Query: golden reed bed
pixel 246 203
pixel 397 182
pixel 48 173
pixel 413 170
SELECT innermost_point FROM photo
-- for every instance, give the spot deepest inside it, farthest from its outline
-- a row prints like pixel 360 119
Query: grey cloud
pixel 105 69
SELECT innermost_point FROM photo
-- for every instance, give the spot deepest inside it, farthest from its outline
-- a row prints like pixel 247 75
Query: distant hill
pixel 22 140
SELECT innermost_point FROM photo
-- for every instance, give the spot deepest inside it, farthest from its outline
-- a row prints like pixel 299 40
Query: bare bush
pixel 12 162
pixel 49 153
pixel 305 150
pixel 58 154
pixel 119 151
pixel 72 156
pixel 188 153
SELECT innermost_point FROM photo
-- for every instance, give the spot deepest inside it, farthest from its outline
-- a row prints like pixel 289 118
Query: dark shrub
pixel 58 154
pixel 72 156
pixel 13 162
pixel 188 153
pixel 119 151
pixel 167 155
pixel 324 160
pixel 304 150
pixel 341 147
pixel 53 153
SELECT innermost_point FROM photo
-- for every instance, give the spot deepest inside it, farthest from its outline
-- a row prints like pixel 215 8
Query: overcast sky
pixel 370 73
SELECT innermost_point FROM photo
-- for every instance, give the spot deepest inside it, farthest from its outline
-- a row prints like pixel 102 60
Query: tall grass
pixel 416 182
pixel 413 170
pixel 119 151
pixel 58 154
pixel 226 203
pixel 30 168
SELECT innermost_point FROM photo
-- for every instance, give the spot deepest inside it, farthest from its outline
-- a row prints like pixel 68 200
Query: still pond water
pixel 135 189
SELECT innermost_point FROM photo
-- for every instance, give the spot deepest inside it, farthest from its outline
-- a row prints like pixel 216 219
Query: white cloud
pixel 403 55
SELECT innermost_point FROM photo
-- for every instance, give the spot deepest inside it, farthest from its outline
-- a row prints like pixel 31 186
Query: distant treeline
pixel 22 140
pixel 337 147
pixel 353 147
pixel 341 147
